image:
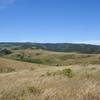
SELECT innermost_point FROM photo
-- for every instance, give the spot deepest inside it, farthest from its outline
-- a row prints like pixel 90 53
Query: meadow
pixel 28 74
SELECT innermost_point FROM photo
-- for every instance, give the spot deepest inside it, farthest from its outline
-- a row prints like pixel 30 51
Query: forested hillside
pixel 58 47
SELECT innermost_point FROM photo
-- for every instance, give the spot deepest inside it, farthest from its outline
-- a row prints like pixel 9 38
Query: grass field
pixel 28 81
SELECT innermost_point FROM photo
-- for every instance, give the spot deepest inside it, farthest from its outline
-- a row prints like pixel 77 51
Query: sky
pixel 72 21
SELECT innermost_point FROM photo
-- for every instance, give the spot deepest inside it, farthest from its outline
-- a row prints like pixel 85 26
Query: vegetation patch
pixel 6 69
pixel 25 58
pixel 34 90
pixel 5 52
pixel 66 72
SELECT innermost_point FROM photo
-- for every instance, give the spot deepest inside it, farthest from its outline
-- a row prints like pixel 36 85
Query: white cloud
pixel 6 3
pixel 94 42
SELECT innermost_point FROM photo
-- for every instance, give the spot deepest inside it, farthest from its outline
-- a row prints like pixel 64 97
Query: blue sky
pixel 50 21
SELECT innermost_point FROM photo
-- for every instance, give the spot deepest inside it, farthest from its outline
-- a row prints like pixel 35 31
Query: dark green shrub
pixel 5 52
pixel 68 72
pixel 19 56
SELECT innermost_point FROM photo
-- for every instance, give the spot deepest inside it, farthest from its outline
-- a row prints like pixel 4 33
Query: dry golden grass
pixel 18 65
pixel 31 82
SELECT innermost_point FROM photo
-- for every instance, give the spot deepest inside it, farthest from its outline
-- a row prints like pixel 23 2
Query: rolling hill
pixel 46 72
pixel 58 47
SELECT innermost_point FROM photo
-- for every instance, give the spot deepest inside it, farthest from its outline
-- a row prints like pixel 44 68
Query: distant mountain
pixel 58 47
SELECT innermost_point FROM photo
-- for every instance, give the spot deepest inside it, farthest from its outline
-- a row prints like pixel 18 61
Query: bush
pixel 5 52
pixel 34 90
pixel 68 72
pixel 20 56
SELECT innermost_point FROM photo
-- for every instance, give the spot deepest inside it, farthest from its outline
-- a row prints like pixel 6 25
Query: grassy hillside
pixel 17 65
pixel 35 82
pixel 53 58
pixel 31 73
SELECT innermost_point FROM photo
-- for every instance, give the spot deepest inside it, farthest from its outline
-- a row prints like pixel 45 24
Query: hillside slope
pixel 44 57
pixel 30 82
pixel 58 47
pixel 8 64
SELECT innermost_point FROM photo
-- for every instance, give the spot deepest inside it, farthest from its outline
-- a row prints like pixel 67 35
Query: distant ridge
pixel 58 47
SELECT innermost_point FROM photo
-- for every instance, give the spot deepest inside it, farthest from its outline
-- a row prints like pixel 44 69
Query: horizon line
pixel 50 42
